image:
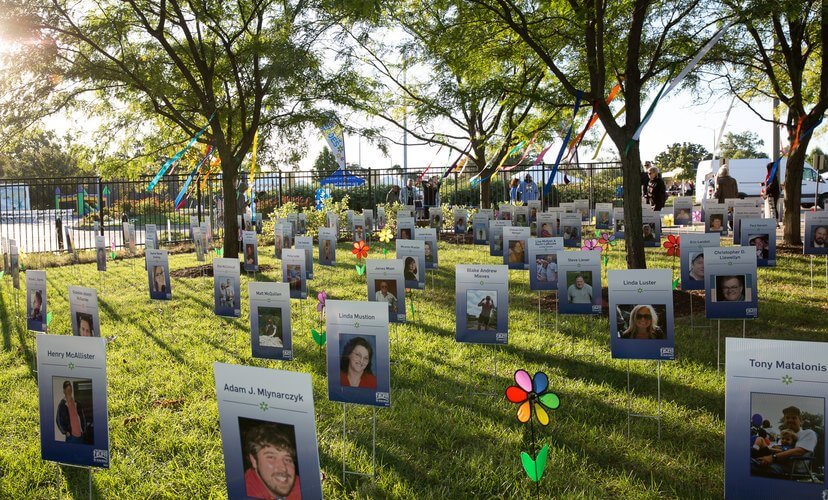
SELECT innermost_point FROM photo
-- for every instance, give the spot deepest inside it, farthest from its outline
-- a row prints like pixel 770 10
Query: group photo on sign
pixel 432 250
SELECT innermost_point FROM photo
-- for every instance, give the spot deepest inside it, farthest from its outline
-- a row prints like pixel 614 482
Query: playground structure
pixel 82 201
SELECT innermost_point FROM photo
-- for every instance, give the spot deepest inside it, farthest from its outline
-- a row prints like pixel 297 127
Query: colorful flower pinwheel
pixel 360 250
pixel 385 236
pixel 673 245
pixel 607 240
pixel 591 244
pixel 532 395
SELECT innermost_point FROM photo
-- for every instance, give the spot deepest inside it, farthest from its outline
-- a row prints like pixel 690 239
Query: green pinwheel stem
pixel 535 467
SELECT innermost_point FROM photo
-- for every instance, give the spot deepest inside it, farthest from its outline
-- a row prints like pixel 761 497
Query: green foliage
pixel 315 218
pixel 683 155
pixel 40 154
pixel 745 144
pixel 325 164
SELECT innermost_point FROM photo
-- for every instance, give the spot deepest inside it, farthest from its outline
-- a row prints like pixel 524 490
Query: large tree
pixel 685 155
pixel 779 54
pixel 461 84
pixel 745 144
pixel 635 42
pixel 234 67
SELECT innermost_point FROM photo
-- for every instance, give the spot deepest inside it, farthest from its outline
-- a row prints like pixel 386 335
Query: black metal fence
pixel 34 211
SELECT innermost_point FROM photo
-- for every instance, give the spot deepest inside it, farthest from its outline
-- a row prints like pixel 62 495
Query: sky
pixel 676 119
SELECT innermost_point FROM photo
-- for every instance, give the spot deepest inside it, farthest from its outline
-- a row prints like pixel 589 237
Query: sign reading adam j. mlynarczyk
pixel 783 383
pixel 266 418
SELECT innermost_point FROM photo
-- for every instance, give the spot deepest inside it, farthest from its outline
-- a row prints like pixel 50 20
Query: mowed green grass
pixel 449 433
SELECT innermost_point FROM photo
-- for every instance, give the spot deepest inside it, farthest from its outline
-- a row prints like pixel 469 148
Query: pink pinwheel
pixel 673 245
pixel 321 297
pixel 591 244
pixel 532 396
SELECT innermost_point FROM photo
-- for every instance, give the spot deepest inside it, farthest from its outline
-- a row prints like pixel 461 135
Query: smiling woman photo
pixel 355 364
pixel 643 324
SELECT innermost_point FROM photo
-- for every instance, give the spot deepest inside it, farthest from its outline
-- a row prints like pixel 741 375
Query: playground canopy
pixel 341 178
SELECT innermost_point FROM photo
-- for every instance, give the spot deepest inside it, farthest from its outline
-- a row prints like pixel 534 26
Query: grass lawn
pixel 439 439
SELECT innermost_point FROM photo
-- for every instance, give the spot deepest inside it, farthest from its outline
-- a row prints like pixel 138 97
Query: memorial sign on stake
pixel 358 353
pixel 715 218
pixel 730 283
pixel 571 230
pixel 306 243
pixel 582 208
pixel 505 212
pixel 4 247
pixel 386 284
pixel 278 240
pixel 405 228
pixel 358 223
pixel 547 225
pixel 521 217
pixel 534 209
pixel 761 235
pixel 70 241
pixel 198 242
pixel 412 253
pixel 100 253
pixel 250 244
pixel 692 258
pixel 496 236
pixel 603 216
pixel 435 218
pixel 36 304
pixel 327 246
pixel 618 222
pixel 368 214
pixel 515 243
pixel 579 282
pixel 641 313
pixel 816 233
pixel 543 262
pixel 193 224
pixel 332 221
pixel 226 287
pixel 683 211
pixel 460 216
pixel 302 223
pixel 71 382
pixel 270 327
pixel 83 309
pixel 293 220
pixel 293 273
pixel 482 304
pixel 775 393
pixel 480 229
pixel 651 229
pixel 151 236
pixel 740 213
pixel 158 274
pixel 380 217
pixel 429 238
pixel 14 264
pixel 268 432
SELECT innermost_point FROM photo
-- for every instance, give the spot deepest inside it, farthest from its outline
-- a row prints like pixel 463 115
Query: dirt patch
pixel 681 302
pixel 463 239
pixel 783 249
pixel 206 271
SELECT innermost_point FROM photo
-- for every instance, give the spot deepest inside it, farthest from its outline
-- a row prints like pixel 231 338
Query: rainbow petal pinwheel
pixel 533 397
pixel 673 245
pixel 591 244
pixel 607 240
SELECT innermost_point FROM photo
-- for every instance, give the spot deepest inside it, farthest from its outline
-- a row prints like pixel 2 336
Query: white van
pixel 750 174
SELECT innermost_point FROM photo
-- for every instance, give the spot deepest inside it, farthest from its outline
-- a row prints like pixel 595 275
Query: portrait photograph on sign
pixel 571 230
pixel 250 247
pixel 72 395
pixel 327 246
pixel 158 274
pixel 387 285
pixel 358 356
pixel 730 283
pixel 692 258
pixel 305 243
pixel 36 304
pixel 515 242
pixel 482 304
pixel 480 229
pixel 226 287
pixel 270 326
pixel 496 236
pixel 816 233
pixel 293 273
pixel 641 314
pixel 83 307
pixel 268 432
pixel 543 262
pixel 412 253
pixel 579 282
pixel 761 235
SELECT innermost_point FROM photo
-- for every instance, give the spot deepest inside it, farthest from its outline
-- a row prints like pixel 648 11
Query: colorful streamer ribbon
pixel 475 181
pixel 172 161
pixel 456 162
pixel 428 167
pixel 601 142
pixel 179 200
pixel 593 119
pixel 681 76
pixel 565 143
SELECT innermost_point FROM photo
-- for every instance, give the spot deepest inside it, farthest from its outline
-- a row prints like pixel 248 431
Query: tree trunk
pixel 793 194
pixel 228 186
pixel 486 193
pixel 633 234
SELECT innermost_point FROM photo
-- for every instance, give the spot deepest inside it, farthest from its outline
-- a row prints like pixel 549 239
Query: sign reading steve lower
pixel 358 353
pixel 579 282
pixel 641 314
pixel 268 432
pixel 775 418
pixel 482 304
pixel 730 283
pixel 72 393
